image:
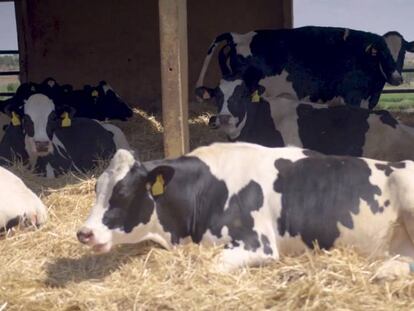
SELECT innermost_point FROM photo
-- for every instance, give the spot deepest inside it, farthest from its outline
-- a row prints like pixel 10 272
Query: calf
pixel 336 130
pixel 288 200
pixel 18 203
pixel 317 64
pixel 56 143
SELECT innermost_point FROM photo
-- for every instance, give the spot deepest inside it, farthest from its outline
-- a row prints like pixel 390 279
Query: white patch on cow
pixel 209 239
pixel 119 166
pixel 365 103
pixel 394 44
pixel 18 200
pixel 38 107
pixel 50 172
pixel 119 137
pixel 284 115
pixel 243 42
pixel 278 85
pixel 346 34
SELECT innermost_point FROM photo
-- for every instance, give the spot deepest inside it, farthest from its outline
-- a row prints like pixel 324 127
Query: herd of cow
pixel 297 106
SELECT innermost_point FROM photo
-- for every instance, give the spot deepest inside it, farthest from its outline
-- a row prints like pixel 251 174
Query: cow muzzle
pixel 213 123
pixel 87 237
pixel 396 79
pixel 42 146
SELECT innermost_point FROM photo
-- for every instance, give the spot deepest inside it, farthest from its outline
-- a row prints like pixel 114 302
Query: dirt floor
pixel 47 269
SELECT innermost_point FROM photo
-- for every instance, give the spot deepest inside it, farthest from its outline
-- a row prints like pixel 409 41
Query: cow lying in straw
pixel 261 203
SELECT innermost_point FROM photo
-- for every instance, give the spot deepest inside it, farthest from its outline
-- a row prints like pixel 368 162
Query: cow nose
pixel 213 122
pixel 42 146
pixel 224 119
pixel 396 78
pixel 84 235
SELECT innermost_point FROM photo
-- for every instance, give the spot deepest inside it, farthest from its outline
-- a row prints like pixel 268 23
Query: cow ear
pixel 409 46
pixel 204 93
pixel 158 179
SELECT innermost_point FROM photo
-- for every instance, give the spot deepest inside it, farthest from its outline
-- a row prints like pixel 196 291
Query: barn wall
pixel 82 42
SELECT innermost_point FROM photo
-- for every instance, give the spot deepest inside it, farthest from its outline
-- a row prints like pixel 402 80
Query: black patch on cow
pixel 12 146
pixel 387 118
pixel 12 223
pixel 237 217
pixel 389 167
pixel 129 204
pixel 319 192
pixel 338 130
pixel 387 203
pixel 266 245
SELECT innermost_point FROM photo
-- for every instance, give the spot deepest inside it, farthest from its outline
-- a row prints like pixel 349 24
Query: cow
pixel 317 64
pixel 260 203
pixel 55 142
pixel 19 205
pixel 249 116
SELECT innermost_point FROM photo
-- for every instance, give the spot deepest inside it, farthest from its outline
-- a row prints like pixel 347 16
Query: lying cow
pixel 18 204
pixel 55 142
pixel 290 199
pixel 336 130
pixel 317 64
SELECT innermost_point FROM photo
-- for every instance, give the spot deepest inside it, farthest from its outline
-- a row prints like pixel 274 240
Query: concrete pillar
pixel 174 75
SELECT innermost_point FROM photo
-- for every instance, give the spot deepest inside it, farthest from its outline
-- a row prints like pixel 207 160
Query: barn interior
pixel 151 52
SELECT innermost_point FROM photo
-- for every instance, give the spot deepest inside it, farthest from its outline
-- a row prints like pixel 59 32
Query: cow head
pixel 124 208
pixel 109 104
pixel 233 98
pixel 39 118
pixel 391 54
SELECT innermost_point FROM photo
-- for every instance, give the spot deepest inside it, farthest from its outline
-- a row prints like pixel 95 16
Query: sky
pixel 378 16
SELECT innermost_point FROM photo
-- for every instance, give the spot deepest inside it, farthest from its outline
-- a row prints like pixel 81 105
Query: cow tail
pixel 227 36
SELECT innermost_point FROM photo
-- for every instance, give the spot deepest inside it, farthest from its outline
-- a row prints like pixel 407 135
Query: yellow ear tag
pixel 66 121
pixel 15 119
pixel 255 97
pixel 95 93
pixel 158 187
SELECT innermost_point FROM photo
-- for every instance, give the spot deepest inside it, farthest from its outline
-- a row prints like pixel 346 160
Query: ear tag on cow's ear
pixel 255 97
pixel 15 119
pixel 95 93
pixel 158 187
pixel 66 121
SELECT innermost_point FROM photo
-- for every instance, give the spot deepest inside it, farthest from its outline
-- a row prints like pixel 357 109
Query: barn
pixel 151 53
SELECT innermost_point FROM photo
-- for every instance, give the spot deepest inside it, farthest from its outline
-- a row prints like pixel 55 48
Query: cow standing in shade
pixel 317 64
pixel 337 130
pixel 18 204
pixel 261 203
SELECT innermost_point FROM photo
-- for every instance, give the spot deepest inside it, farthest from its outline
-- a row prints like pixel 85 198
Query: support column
pixel 174 75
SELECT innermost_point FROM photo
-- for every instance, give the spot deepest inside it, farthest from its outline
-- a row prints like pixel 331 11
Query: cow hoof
pixel 392 270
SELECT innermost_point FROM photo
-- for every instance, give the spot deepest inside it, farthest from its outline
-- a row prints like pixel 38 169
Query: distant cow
pixel 337 130
pixel 261 203
pixel 317 64
pixel 18 204
pixel 55 142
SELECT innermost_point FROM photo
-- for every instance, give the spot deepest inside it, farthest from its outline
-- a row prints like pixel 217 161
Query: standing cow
pixel 317 64
pixel 337 130
pixel 262 203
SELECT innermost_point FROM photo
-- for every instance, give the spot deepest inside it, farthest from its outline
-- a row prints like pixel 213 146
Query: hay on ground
pixel 47 269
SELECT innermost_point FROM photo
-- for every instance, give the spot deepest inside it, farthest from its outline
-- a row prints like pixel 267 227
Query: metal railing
pixel 9 73
pixel 396 91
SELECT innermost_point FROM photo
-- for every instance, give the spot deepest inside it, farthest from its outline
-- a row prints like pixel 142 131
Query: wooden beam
pixel 287 13
pixel 22 29
pixel 174 75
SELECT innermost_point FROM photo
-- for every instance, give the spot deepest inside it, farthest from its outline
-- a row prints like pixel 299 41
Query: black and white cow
pixel 335 130
pixel 317 64
pixel 56 143
pixel 289 199
pixel 18 204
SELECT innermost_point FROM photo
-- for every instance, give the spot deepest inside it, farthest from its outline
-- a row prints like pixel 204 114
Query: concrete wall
pixel 82 42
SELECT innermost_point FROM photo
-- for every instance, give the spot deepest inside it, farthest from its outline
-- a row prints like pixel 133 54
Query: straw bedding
pixel 47 269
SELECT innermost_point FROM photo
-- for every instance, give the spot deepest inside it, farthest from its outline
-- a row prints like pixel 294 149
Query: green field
pixel 396 101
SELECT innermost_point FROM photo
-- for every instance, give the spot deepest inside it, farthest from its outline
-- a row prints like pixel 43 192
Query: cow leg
pixel 234 257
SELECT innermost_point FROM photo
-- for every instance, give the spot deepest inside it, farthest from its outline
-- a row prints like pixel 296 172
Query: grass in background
pixel 400 101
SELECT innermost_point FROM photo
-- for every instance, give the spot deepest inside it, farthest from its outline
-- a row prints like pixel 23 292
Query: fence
pixel 9 73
